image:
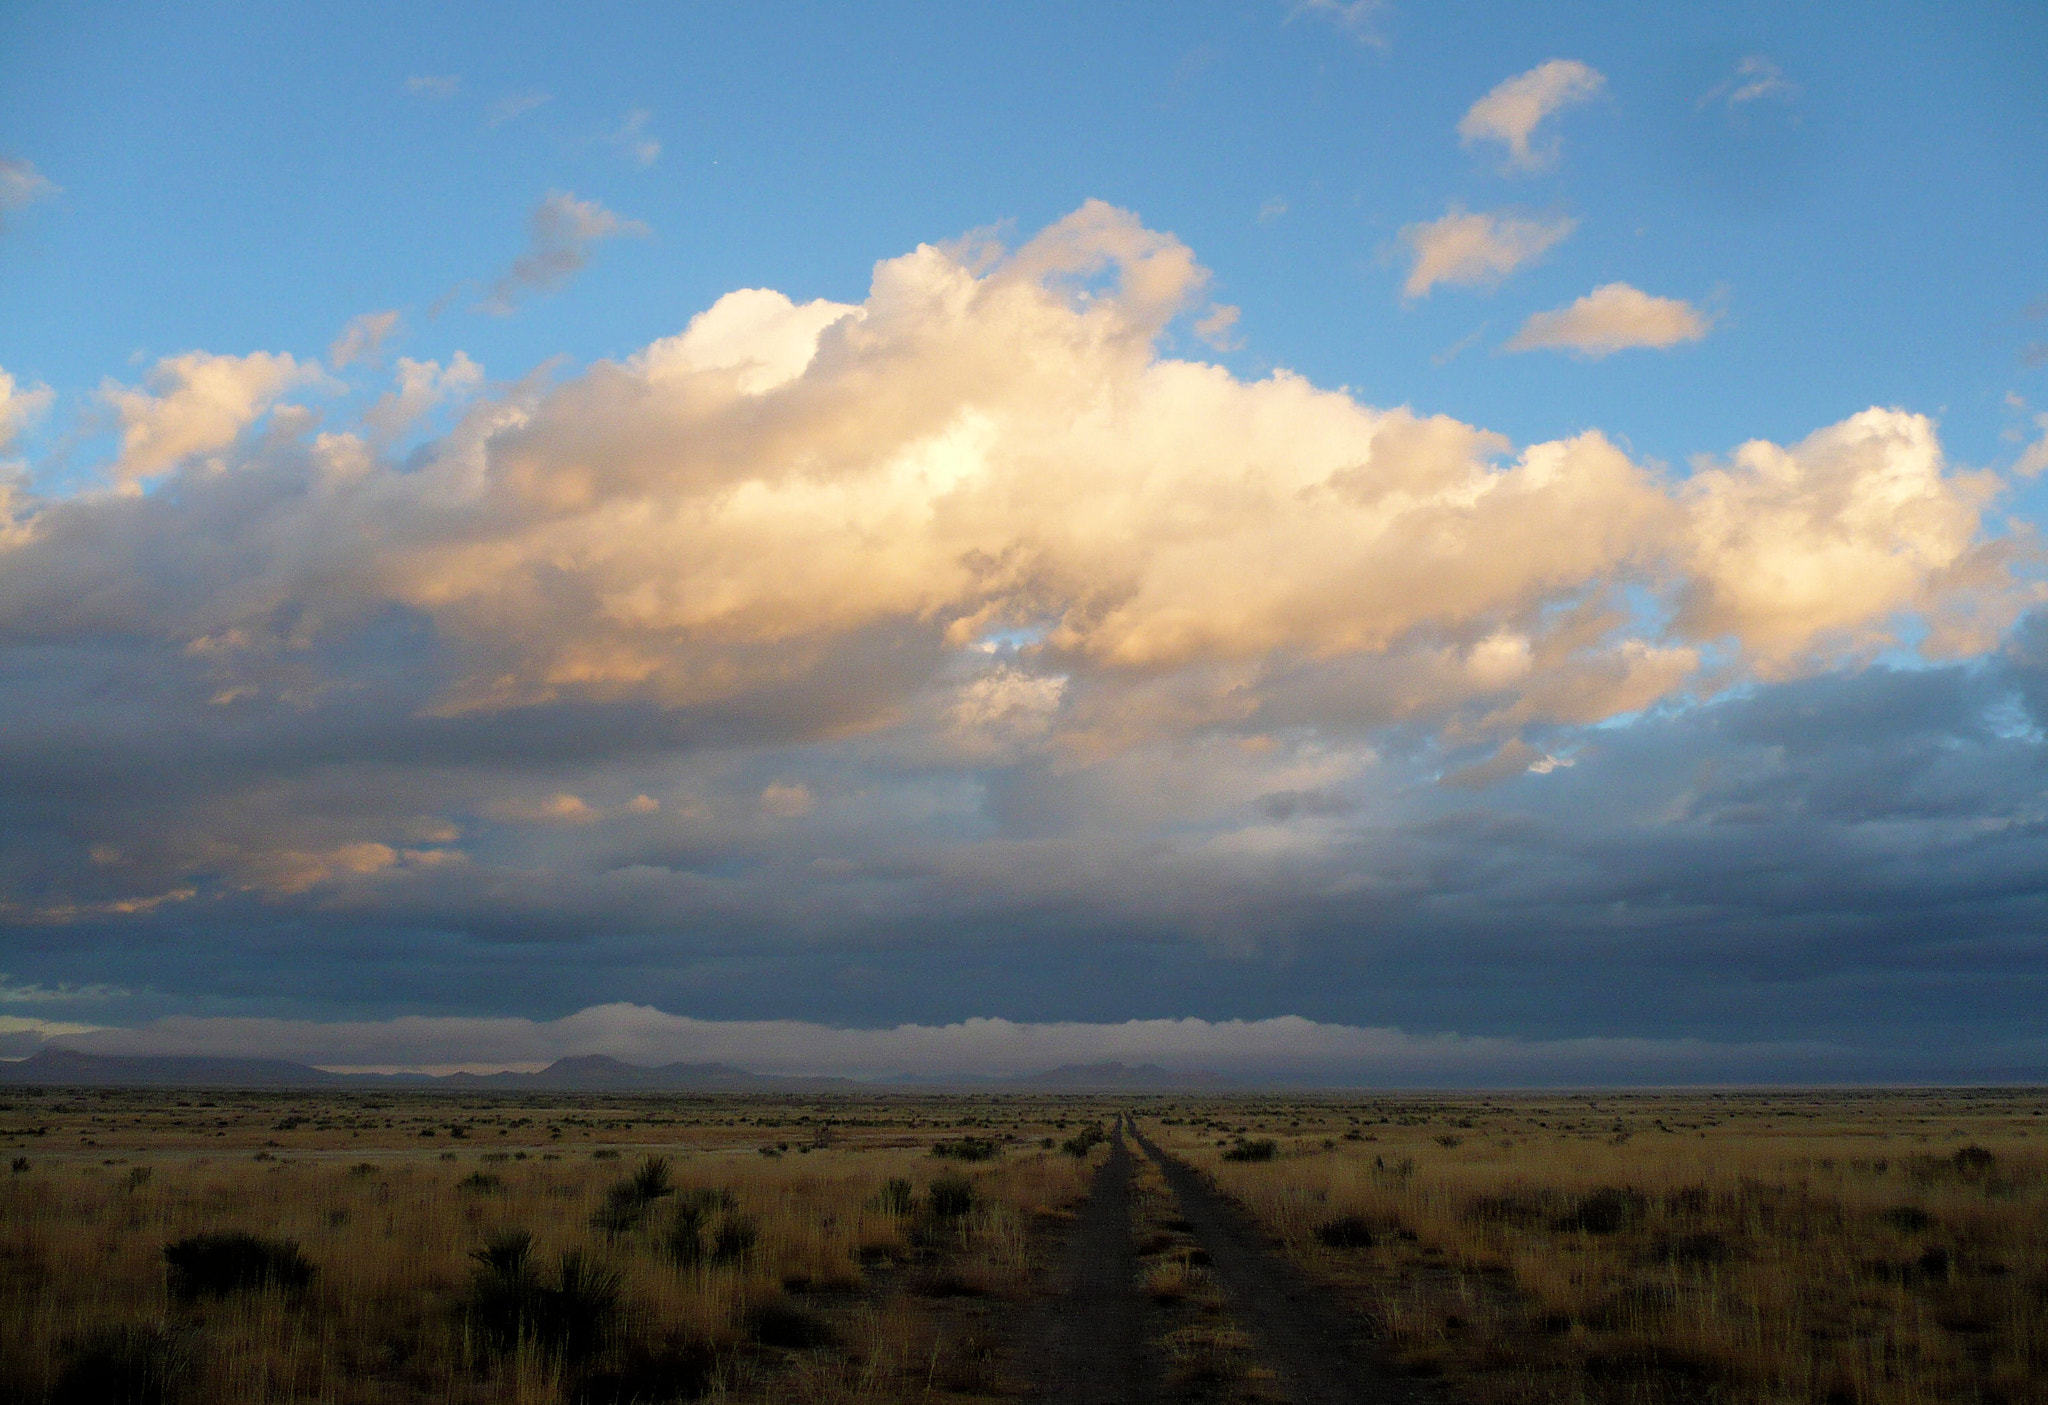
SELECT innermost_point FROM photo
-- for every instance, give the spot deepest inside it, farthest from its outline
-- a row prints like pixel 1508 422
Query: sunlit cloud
pixel 1512 112
pixel 1611 318
pixel 196 404
pixel 972 603
pixel 1477 249
pixel 20 407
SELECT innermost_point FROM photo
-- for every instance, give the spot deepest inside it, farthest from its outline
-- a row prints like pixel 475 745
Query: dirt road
pixel 1089 1341
pixel 1088 1344
pixel 1319 1353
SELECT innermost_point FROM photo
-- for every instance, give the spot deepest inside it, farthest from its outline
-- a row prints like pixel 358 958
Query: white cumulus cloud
pixel 198 403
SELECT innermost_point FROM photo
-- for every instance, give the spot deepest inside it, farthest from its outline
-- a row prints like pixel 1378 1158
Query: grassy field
pixel 1875 1248
pixel 766 1248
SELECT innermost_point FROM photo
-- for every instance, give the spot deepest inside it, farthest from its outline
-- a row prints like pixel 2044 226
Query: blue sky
pixel 446 666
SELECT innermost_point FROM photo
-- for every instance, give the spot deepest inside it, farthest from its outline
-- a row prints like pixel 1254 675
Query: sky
pixel 1344 542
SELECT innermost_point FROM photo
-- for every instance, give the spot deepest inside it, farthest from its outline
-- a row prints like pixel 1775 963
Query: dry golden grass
pixel 1828 1247
pixel 823 1304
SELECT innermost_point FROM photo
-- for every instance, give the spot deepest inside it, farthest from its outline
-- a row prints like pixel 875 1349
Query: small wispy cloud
pixel 1477 249
pixel 514 106
pixel 21 185
pixel 1218 327
pixel 563 230
pixel 361 338
pixel 1511 113
pixel 633 140
pixel 1754 79
pixel 1272 210
pixel 434 85
pixel 1611 318
pixel 33 993
pixel 1356 18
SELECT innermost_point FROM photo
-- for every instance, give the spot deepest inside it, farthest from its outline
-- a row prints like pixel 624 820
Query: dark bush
pixel 968 1149
pixel 621 1212
pixel 950 1196
pixel 1519 1211
pixel 20 1165
pixel 504 1293
pixel 1974 1160
pixel 626 1203
pixel 481 1183
pixel 1695 1249
pixel 683 1242
pixel 1908 1219
pixel 214 1265
pixel 575 1314
pixel 897 1197
pixel 126 1365
pixel 1264 1149
pixel 1346 1232
pixel 580 1310
pixel 652 1181
pixel 735 1239
pixel 782 1323
pixel 1608 1210
pixel 1085 1140
pixel 641 1374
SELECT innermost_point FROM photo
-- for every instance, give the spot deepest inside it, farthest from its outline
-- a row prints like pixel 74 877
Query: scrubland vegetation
pixel 1829 1248
pixel 1843 1247
pixel 675 1261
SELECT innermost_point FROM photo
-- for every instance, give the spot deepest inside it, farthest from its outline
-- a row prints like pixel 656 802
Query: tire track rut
pixel 1093 1326
pixel 1317 1350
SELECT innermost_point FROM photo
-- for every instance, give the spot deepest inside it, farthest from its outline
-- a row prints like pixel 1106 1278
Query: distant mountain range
pixel 585 1073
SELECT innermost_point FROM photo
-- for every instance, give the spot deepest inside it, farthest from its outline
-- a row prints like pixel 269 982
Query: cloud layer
pixel 1287 1049
pixel 822 637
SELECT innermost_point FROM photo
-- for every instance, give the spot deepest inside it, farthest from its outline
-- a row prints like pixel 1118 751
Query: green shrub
pixel 1264 1149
